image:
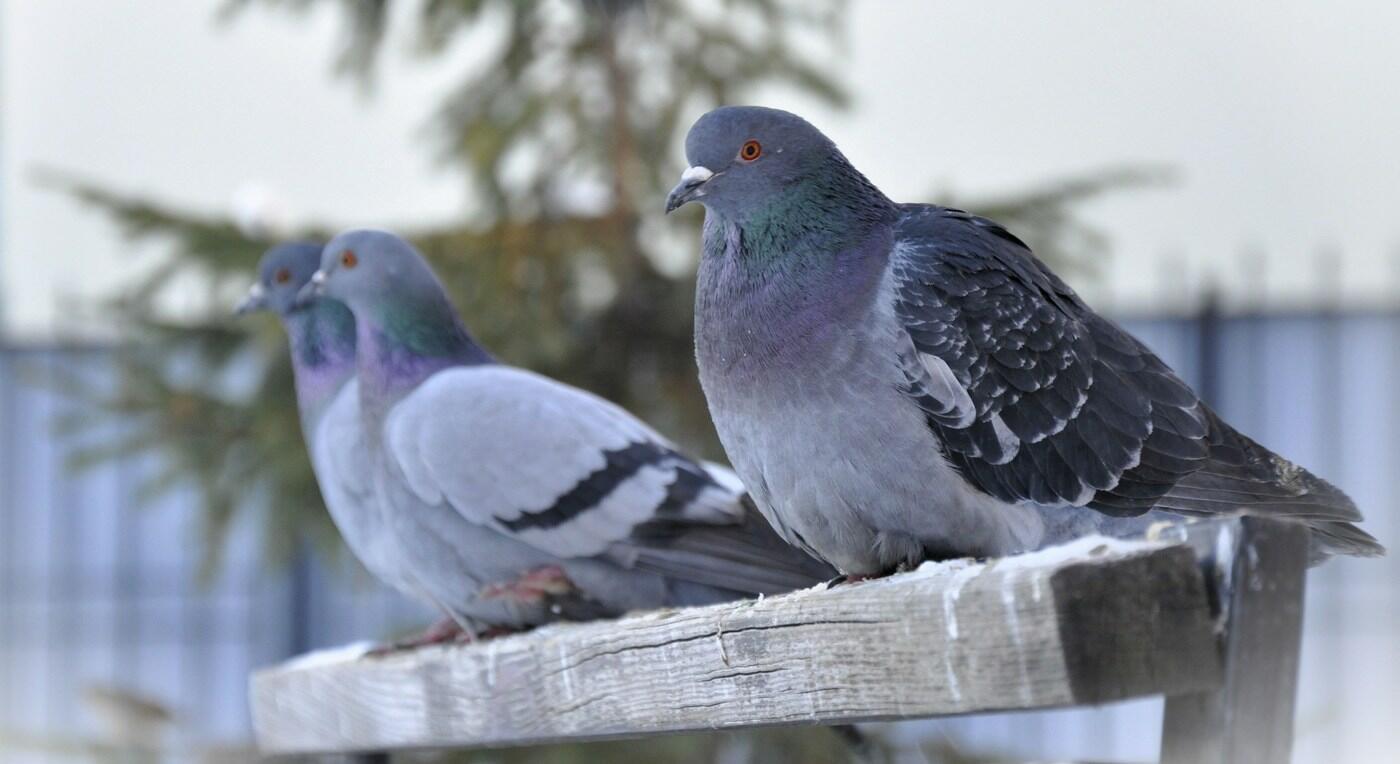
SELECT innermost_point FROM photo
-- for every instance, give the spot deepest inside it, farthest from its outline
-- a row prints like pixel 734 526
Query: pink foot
pixel 493 632
pixel 443 632
pixel 854 578
pixel 540 583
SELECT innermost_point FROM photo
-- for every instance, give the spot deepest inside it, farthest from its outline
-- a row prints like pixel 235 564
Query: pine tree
pixel 588 97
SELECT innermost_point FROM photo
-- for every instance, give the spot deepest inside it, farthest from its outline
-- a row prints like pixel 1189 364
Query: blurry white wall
pixel 1276 115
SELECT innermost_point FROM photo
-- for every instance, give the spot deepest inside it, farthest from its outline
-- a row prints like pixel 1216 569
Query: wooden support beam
pixel 1258 570
pixel 1096 621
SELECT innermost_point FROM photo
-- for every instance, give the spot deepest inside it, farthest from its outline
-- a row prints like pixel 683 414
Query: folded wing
pixel 1034 397
pixel 548 464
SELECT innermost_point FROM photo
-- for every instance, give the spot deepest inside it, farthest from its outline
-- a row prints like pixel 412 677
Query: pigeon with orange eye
pixel 509 500
pixel 745 157
pixel 321 334
pixel 904 382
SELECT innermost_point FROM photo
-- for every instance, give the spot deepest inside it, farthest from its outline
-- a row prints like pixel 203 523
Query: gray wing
pixel 1034 397
pixel 575 476
pixel 550 465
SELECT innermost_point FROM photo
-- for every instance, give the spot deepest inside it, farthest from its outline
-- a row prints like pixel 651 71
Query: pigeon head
pixel 321 332
pixel 369 268
pixel 742 155
pixel 394 295
pixel 282 273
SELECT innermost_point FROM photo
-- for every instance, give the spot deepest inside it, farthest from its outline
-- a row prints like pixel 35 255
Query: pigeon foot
pixel 446 631
pixel 547 582
pixel 846 579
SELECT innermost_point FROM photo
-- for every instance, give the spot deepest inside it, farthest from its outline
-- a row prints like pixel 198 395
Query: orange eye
pixel 282 276
pixel 750 151
pixel 348 259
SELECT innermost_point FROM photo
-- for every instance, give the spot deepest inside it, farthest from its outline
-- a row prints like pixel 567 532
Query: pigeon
pixel 511 499
pixel 321 334
pixel 901 382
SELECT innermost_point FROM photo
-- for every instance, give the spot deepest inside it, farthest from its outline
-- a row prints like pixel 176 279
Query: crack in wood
pixel 565 666
pixel 739 673
pixel 698 706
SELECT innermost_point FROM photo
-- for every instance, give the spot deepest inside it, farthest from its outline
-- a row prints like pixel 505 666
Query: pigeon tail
pixel 1242 476
pixel 747 559
pixel 1330 539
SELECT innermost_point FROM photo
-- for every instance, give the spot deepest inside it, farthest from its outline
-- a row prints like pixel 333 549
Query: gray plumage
pixel 484 474
pixel 899 381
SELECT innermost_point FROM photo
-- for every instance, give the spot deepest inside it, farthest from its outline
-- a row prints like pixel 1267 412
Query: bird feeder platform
pixel 1208 615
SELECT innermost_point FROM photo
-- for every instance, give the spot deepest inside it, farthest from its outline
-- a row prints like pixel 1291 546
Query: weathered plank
pixel 1259 569
pixel 1096 621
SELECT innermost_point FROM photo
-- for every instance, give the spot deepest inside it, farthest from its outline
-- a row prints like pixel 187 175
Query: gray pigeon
pixel 511 499
pixel 321 334
pixel 895 382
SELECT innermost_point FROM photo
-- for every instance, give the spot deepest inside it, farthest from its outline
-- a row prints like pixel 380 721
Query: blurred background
pixel 1224 180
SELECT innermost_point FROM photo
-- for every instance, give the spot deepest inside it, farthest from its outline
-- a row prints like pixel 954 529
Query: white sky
pixel 1281 119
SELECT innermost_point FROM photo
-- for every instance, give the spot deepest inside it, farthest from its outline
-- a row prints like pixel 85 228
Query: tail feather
pixel 747 558
pixel 1343 538
pixel 1243 477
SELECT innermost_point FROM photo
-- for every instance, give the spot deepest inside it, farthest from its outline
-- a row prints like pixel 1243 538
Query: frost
pixel 330 656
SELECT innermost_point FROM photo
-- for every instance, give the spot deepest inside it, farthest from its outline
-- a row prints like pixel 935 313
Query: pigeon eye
pixel 750 151
pixel 348 259
pixel 282 276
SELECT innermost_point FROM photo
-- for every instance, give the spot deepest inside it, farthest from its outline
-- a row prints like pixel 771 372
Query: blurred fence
pixel 107 636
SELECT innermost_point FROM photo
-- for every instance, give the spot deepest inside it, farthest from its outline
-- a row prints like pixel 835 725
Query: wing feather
pixel 1065 407
pixel 551 465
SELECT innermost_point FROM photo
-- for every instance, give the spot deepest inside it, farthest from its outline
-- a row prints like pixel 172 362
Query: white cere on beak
pixel 256 291
pixel 696 174
pixel 318 278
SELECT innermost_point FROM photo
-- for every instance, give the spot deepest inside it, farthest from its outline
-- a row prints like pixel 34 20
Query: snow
pixel 330 656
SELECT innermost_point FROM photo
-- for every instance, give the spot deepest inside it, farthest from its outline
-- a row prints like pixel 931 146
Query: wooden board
pixel 1259 571
pixel 1096 621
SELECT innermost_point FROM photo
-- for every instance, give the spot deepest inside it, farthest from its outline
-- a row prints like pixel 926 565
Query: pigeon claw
pixel 846 579
pixel 446 631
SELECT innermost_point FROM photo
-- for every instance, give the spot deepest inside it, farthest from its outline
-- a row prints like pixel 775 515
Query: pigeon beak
pixel 313 290
pixel 256 300
pixel 689 188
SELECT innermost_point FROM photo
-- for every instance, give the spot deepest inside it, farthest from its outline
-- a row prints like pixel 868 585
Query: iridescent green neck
pixel 322 333
pixel 403 341
pixel 427 327
pixel 828 212
pixel 322 339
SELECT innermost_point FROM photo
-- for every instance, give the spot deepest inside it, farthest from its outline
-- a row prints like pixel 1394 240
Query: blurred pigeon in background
pixel 511 499
pixel 321 334
pixel 895 382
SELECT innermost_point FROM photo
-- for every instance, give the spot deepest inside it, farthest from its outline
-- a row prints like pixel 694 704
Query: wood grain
pixel 1099 621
